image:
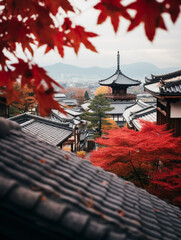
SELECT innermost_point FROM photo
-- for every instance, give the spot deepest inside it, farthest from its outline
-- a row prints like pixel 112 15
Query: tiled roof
pixel 119 79
pixel 52 132
pixel 85 106
pixel 47 193
pixel 71 119
pixel 139 110
pixel 165 85
pixel 59 96
pixel 70 102
pixel 156 78
pixel 73 113
pixel 119 107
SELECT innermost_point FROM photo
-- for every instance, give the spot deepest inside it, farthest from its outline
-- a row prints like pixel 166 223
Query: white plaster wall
pixel 175 110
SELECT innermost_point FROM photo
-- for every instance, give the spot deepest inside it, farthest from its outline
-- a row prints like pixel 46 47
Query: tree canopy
pixel 103 90
pixel 30 24
pixel 111 124
pixel 26 102
pixel 150 158
pixel 97 114
pixel 86 95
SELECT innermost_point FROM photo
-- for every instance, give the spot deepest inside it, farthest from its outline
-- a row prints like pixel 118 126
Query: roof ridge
pixel 41 119
pixel 166 74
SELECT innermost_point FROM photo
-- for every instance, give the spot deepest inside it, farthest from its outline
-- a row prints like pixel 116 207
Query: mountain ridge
pixel 138 70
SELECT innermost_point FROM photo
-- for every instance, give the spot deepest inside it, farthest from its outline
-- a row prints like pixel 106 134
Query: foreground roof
pixel 52 194
pixel 139 111
pixel 119 79
pixel 164 85
pixel 50 131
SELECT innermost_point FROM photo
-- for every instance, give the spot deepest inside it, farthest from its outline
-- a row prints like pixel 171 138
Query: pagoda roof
pixel 119 78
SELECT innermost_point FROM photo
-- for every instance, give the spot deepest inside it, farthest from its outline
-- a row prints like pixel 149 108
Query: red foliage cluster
pixel 150 158
pixel 30 24
pixel 148 12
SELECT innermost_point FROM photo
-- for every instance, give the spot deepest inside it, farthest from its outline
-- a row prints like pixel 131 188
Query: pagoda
pixel 119 84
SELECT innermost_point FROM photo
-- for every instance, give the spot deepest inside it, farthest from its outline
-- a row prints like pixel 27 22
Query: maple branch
pixel 135 171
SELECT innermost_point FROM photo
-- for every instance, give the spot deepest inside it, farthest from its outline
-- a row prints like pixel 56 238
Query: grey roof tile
pixel 95 230
pixel 75 221
pixel 6 185
pixel 51 210
pixel 119 79
pixel 137 111
pixel 116 236
pixel 47 130
pixel 24 197
pixel 165 85
pixel 55 192
pixel 119 107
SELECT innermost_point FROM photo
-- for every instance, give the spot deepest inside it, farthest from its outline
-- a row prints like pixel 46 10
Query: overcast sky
pixel 164 51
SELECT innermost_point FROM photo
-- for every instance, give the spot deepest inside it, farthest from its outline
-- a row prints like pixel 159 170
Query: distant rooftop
pixel 119 107
pixel 47 130
pixel 139 111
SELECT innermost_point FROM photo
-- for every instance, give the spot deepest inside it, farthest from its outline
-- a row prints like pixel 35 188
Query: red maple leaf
pixel 77 35
pixel 46 101
pixel 113 9
pixel 39 75
pixel 149 13
pixel 173 8
pixel 54 6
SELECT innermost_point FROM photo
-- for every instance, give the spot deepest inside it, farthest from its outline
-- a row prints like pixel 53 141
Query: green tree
pixel 86 95
pixel 97 114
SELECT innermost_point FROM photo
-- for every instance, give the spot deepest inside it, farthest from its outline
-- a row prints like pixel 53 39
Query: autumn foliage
pixel 103 90
pixel 150 158
pixel 81 154
pixel 31 24
pixel 26 102
pixel 110 124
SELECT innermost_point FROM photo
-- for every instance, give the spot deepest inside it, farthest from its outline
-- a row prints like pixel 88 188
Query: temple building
pixel 167 89
pixel 119 84
pixel 119 97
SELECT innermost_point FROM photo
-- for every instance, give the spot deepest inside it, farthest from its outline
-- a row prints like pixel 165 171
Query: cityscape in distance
pixel 71 75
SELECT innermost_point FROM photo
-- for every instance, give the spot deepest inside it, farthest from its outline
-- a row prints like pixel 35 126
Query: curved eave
pixel 109 81
pixel 162 95
pixel 167 75
pixel 119 79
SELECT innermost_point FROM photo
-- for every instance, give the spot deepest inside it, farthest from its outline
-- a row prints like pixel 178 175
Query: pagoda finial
pixel 118 60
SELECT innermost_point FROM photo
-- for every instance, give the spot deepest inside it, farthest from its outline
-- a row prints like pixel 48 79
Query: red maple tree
pixel 150 158
pixel 30 24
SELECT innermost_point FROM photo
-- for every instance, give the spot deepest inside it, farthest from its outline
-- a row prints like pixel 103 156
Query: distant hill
pixel 137 70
